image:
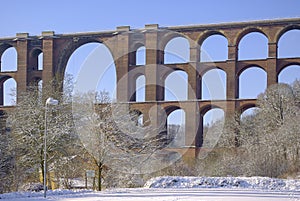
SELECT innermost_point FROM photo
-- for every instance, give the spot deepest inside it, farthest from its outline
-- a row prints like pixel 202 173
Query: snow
pixel 32 194
pixel 262 183
pixel 171 188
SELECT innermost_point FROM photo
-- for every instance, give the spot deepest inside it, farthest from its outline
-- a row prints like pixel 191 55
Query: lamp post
pixel 49 101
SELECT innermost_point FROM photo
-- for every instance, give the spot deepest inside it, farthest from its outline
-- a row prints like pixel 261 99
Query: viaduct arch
pixel 123 44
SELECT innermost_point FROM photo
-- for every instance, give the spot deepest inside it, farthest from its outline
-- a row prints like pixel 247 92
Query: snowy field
pixel 180 189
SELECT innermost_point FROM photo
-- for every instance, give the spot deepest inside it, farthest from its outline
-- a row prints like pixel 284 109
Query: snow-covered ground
pixel 179 188
pixel 259 183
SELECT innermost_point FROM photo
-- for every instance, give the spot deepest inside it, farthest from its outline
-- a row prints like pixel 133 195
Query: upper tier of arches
pixel 192 42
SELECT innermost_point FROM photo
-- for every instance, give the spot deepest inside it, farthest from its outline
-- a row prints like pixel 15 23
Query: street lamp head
pixel 51 101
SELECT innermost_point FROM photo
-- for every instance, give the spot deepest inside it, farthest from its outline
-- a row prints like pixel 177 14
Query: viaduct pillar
pixel 122 63
pixel 48 56
pixel 192 130
pixel 22 62
pixel 154 84
pixel 272 64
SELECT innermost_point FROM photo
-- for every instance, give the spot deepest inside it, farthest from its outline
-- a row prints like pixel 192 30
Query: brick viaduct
pixel 123 44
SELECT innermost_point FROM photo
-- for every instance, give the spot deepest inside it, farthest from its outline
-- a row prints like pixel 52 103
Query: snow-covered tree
pixel 264 143
pixel 111 134
pixel 27 124
pixel 6 159
pixel 277 129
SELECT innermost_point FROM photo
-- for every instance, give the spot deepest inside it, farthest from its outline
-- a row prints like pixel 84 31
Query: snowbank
pixel 31 194
pixel 255 183
pixel 263 183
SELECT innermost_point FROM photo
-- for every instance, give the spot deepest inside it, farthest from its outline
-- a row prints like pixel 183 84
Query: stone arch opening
pixel 214 48
pixel 248 112
pixel 77 58
pixel 252 81
pixel 289 74
pixel 286 29
pixel 288 44
pixel 9 91
pixel 175 124
pixel 141 56
pixel 211 120
pixel 9 59
pixel 137 54
pixel 247 120
pixel 176 86
pixel 177 50
pixel 40 61
pixel 92 68
pixel 214 85
pixel 245 107
pixel 140 90
pixel 253 45
pixel 212 114
pixel 37 59
pixel 36 84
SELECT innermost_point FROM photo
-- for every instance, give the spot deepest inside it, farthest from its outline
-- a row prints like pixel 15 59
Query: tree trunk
pixel 42 167
pixel 100 177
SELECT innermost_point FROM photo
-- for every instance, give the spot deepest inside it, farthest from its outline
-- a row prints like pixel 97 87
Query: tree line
pixel 85 131
pixel 264 143
pixel 88 131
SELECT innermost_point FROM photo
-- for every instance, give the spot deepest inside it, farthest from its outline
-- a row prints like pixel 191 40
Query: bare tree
pixel 27 121
pixel 264 143
pixel 110 133
pixel 272 140
pixel 271 135
pixel 94 127
pixel 6 160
